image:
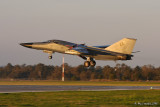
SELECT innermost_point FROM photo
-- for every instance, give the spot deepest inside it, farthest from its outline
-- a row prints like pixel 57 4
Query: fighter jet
pixel 121 50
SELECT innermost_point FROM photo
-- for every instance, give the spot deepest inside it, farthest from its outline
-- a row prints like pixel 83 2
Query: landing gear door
pixel 49 52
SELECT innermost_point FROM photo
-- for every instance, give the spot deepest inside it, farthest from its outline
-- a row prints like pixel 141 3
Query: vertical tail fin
pixel 124 46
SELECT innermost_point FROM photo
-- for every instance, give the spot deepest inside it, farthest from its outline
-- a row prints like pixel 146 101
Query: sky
pixel 93 22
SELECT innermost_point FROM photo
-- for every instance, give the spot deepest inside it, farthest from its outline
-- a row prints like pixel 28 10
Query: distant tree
pixel 76 71
pixel 57 73
pixel 108 73
pixel 157 74
pixel 15 72
pixel 136 74
pixel 44 72
pixel 83 76
pixel 7 70
pixel 147 72
pixel 98 72
pixel 126 72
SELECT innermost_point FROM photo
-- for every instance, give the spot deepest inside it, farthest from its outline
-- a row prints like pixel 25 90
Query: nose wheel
pixel 50 57
pixel 49 53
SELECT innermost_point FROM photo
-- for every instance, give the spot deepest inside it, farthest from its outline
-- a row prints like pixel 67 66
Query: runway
pixel 49 88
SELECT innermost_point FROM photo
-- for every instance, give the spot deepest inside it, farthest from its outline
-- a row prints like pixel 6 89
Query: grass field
pixel 122 98
pixel 91 83
pixel 82 98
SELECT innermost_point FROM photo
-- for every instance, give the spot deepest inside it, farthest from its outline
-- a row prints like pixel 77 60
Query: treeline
pixel 120 72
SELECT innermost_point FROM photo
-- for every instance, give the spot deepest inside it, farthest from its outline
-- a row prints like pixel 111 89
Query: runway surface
pixel 45 88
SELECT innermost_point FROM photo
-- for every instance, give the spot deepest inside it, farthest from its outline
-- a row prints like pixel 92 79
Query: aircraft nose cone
pixel 28 45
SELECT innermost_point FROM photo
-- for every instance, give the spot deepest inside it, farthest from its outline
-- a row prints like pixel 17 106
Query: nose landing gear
pixel 49 52
pixel 50 57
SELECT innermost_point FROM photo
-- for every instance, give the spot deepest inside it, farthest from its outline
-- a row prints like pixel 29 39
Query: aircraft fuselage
pixel 121 50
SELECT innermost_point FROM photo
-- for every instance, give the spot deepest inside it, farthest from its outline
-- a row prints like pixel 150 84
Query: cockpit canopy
pixel 61 42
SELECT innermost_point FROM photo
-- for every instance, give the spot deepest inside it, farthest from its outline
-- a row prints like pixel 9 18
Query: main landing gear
pixel 50 56
pixel 89 62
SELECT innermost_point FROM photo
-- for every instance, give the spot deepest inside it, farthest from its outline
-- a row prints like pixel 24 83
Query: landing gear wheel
pixel 92 63
pixel 50 57
pixel 86 63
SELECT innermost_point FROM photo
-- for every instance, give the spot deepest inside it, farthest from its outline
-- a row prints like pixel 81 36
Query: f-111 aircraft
pixel 121 50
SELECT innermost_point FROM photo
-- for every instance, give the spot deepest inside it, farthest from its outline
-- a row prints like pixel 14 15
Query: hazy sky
pixel 94 22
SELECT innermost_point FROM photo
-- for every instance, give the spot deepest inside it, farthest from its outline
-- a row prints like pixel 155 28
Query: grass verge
pixel 82 98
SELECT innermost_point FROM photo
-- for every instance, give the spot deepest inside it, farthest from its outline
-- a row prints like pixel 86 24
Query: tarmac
pixel 49 88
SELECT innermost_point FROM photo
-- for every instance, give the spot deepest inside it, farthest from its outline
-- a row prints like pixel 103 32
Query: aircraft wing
pixel 96 50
